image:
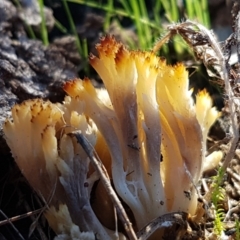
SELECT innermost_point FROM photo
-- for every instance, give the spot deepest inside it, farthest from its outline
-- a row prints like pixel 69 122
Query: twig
pixel 99 167
pixel 9 220
pixel 232 173
pixel 19 217
pixel 35 222
pixel 164 221
pixel 231 211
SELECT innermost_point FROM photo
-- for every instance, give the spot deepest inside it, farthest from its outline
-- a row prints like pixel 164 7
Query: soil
pixel 28 69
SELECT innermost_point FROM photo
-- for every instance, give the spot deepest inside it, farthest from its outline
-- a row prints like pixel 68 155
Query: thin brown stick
pixel 10 222
pixel 19 217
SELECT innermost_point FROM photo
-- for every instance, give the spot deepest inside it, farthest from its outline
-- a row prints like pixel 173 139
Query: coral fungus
pixel 145 127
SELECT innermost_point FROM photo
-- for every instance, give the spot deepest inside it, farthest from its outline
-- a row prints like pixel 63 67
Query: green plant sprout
pixel 237 230
pixel 217 198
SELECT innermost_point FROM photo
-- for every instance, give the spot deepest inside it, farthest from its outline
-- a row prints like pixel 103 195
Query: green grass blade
pixel 126 6
pixel 205 12
pixel 198 10
pixel 72 26
pixel 44 32
pixel 156 12
pixel 145 28
pixel 174 11
pixel 108 16
pixel 28 27
pixel 85 54
pixel 136 13
pixel 190 9
pixel 166 7
pixel 60 26
pixel 237 226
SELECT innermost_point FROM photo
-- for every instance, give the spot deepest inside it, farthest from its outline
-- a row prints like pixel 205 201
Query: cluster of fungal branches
pixel 136 121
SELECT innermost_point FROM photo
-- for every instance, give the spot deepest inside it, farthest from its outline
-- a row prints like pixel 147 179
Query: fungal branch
pixel 208 50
